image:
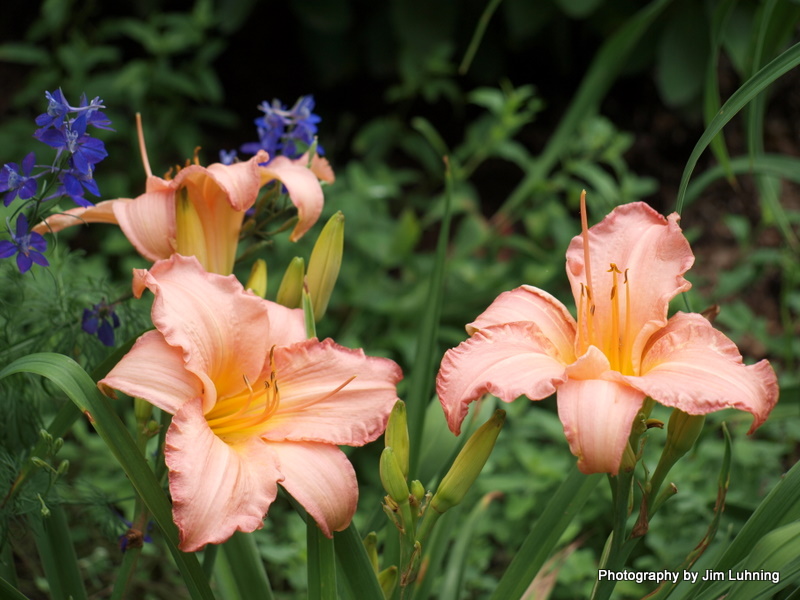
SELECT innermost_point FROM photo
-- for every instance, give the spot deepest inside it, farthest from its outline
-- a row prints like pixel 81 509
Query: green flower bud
pixel 682 432
pixel 397 435
pixel 257 282
pixel 371 546
pixel 387 579
pixel 468 464
pixel 418 491
pixel 143 410
pixel 290 292
pixel 324 264
pixel 392 478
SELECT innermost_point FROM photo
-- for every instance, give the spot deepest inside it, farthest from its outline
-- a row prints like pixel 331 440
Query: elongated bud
pixel 190 238
pixel 387 579
pixel 397 435
pixel 468 464
pixel 290 292
pixel 682 432
pixel 324 264
pixel 371 546
pixel 257 282
pixel 143 410
pixel 392 478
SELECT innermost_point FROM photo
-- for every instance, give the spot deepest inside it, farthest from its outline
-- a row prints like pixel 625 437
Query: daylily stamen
pixel 614 343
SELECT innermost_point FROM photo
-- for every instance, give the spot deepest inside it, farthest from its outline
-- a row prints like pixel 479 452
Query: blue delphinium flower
pixel 227 157
pixel 101 321
pixel 285 131
pixel 16 181
pixel 27 245
pixel 74 184
pixel 84 150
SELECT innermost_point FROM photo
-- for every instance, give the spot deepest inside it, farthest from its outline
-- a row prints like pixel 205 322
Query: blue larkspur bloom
pixel 101 320
pixel 285 131
pixel 84 150
pixel 74 184
pixel 17 181
pixel 27 245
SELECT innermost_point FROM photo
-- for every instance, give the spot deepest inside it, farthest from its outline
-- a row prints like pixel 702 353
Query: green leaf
pixel 752 87
pixel 81 389
pixel 537 547
pixel 244 566
pixel 357 569
pixel 9 592
pixel 321 563
pixel 57 553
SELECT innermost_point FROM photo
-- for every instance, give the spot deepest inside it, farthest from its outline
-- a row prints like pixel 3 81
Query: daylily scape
pixel 622 349
pixel 254 403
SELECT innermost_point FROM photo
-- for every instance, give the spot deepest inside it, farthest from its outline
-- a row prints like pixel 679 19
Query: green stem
pixel 125 573
pixel 619 550
pixel 321 563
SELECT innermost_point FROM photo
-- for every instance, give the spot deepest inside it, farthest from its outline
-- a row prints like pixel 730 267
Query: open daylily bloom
pixel 622 348
pixel 254 403
pixel 200 211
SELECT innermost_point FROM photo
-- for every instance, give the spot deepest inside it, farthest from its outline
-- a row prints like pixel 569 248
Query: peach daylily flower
pixel 216 198
pixel 623 273
pixel 254 403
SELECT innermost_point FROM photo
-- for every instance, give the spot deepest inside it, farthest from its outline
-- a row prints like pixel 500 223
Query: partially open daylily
pixel 622 349
pixel 200 211
pixel 254 403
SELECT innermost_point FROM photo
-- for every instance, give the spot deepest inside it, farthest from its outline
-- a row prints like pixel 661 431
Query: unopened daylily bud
pixel 190 239
pixel 324 264
pixel 290 292
pixel 397 435
pixel 143 410
pixel 468 464
pixel 418 490
pixel 371 546
pixel 387 579
pixel 682 432
pixel 392 478
pixel 257 282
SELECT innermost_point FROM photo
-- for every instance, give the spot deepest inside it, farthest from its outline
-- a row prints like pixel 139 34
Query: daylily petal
pixel 506 361
pixel 216 489
pixel 319 166
pixel 239 181
pixel 597 416
pixel 304 191
pixel 286 325
pixel 319 477
pixel 653 253
pixel 527 303
pixel 155 371
pixel 149 223
pixel 691 366
pixel 102 212
pixel 222 330
pixel 310 372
